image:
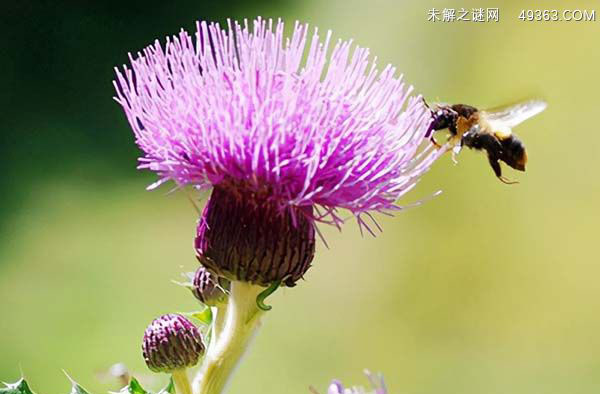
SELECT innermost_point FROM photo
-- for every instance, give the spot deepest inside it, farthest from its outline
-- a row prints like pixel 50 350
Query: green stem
pixel 219 318
pixel 241 321
pixel 219 315
pixel 182 384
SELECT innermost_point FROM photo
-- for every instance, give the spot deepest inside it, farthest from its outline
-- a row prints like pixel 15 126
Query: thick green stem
pixel 182 384
pixel 242 319
pixel 219 318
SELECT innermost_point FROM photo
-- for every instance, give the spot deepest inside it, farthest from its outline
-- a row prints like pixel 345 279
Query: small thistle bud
pixel 242 235
pixel 171 342
pixel 208 288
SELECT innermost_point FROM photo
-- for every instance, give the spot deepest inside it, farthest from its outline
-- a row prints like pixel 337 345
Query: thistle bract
pixel 243 237
pixel 171 342
pixel 287 131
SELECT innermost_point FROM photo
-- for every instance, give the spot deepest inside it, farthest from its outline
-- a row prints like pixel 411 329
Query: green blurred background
pixel 487 288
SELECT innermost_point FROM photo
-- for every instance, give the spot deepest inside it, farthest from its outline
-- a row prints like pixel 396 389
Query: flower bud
pixel 208 288
pixel 242 235
pixel 171 342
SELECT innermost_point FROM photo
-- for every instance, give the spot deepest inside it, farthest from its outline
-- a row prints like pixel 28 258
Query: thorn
pixel 69 377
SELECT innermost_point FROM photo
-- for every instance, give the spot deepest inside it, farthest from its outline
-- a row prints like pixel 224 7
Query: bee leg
pixel 434 142
pixel 507 181
pixel 455 151
pixel 495 164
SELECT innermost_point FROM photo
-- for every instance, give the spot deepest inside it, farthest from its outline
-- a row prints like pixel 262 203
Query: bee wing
pixel 509 117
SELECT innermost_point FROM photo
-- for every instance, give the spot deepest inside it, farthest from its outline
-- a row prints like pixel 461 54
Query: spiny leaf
pixel 134 387
pixel 76 387
pixel 19 387
pixel 169 388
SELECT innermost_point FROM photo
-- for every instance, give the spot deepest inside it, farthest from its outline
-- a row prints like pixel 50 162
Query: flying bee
pixel 488 130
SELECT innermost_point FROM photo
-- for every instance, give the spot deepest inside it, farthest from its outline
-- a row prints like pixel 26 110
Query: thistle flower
pixel 207 288
pixel 377 386
pixel 171 342
pixel 284 133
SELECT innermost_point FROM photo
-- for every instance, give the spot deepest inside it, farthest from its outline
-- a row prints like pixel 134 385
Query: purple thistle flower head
pixel 208 288
pixel 287 128
pixel 171 342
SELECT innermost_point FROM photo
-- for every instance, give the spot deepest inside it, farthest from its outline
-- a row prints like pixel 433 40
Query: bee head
pixel 443 117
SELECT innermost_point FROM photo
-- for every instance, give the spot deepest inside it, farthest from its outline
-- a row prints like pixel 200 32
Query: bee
pixel 486 130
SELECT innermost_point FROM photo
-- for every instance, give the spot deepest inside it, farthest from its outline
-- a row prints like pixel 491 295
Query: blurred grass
pixel 486 288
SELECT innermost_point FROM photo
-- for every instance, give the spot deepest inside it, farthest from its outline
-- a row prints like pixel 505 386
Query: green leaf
pixel 76 387
pixel 205 315
pixel 169 388
pixel 134 387
pixel 20 387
